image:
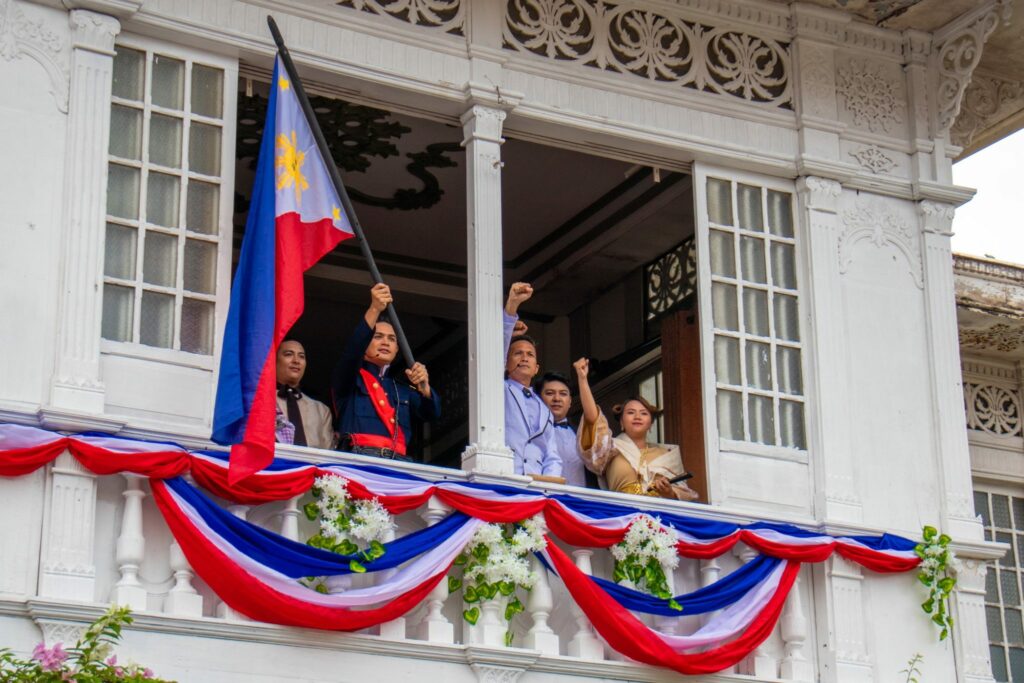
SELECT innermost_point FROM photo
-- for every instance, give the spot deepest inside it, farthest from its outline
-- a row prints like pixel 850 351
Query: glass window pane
pixel 168 82
pixel 981 507
pixel 165 140
pixel 200 266
pixel 197 326
pixel 998 657
pixel 156 327
pixel 1008 586
pixel 1001 512
pixel 202 207
pixel 1016 664
pixel 791 427
pixel 123 191
pixel 780 213
pixel 162 194
pixel 762 419
pixel 1020 555
pixel 723 306
pixel 752 260
pixel 995 624
pixel 783 265
pixel 118 305
pixel 787 323
pixel 748 198
pixel 207 90
pixel 119 252
pixel 719 201
pixel 755 311
pixel 759 365
pixel 204 149
pixel 129 73
pixel 727 360
pixel 991 592
pixel 1014 630
pixel 788 368
pixel 730 415
pixel 125 132
pixel 1010 558
pixel 160 259
pixel 1018 512
pixel 723 258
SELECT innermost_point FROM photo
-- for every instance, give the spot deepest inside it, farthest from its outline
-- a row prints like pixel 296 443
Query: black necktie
pixel 527 393
pixel 291 395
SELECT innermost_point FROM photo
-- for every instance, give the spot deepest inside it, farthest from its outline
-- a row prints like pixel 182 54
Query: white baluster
pixel 585 642
pixel 131 548
pixel 435 627
pixel 540 603
pixel 290 519
pixel 710 572
pixel 223 611
pixel 668 625
pixel 491 628
pixel 182 599
pixel 760 663
pixel 795 666
pixel 394 629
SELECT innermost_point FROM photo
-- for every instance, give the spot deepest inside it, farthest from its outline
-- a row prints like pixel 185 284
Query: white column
pixel 68 571
pixel 223 611
pixel 76 385
pixel 795 666
pixel 435 627
pixel 486 452
pixel 585 642
pixel 759 664
pixel 830 437
pixel 131 548
pixel 970 633
pixel 182 599
pixel 954 463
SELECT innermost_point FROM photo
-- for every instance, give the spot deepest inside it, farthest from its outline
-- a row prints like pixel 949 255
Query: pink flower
pixel 112 661
pixel 49 659
pixel 147 673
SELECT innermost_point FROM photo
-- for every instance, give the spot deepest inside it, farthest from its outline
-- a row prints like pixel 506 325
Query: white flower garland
pixel 937 566
pixel 495 562
pixel 643 555
pixel 346 523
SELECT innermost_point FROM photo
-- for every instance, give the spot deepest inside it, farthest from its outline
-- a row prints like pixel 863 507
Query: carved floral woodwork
pixel 992 409
pixel 660 46
pixel 446 15
pixel 872 98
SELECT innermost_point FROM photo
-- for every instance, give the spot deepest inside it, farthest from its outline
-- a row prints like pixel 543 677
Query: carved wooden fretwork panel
pixel 992 409
pixel 987 101
pixel 671 279
pixel 659 46
pixel 446 15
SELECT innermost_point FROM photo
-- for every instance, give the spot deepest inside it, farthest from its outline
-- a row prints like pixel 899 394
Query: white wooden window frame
pixel 226 181
pixel 715 444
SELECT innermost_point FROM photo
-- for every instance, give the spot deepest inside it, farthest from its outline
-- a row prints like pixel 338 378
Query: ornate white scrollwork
pixel 20 35
pixel 654 45
pixel 871 98
pixel 671 279
pixel 447 15
pixel 992 409
pixel 988 100
pixel 873 159
pixel 880 229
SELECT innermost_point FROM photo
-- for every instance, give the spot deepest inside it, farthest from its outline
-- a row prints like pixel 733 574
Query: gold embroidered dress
pixel 626 467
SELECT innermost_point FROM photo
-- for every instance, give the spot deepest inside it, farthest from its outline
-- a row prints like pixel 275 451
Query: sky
pixel 992 224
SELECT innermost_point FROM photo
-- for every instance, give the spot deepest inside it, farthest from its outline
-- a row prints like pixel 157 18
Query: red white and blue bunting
pixel 256 571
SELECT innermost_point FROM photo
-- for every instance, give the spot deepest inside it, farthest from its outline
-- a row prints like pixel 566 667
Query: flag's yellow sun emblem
pixel 289 166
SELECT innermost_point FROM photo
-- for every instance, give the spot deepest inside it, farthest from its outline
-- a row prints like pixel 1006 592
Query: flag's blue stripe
pixel 298 560
pixel 249 332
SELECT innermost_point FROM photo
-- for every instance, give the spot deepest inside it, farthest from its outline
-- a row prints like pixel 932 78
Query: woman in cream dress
pixel 628 462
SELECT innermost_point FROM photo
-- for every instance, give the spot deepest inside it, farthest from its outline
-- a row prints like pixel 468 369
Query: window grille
pixel 1003 518
pixel 755 320
pixel 164 199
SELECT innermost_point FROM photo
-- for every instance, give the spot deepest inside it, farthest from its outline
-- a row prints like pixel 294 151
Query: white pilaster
pixel 830 436
pixel 953 460
pixel 486 452
pixel 842 633
pixel 970 632
pixel 131 548
pixel 68 571
pixel 76 384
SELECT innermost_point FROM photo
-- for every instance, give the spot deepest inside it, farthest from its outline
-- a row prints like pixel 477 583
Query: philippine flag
pixel 295 217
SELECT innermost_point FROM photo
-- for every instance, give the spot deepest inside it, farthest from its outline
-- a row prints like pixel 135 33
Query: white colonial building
pixel 740 209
